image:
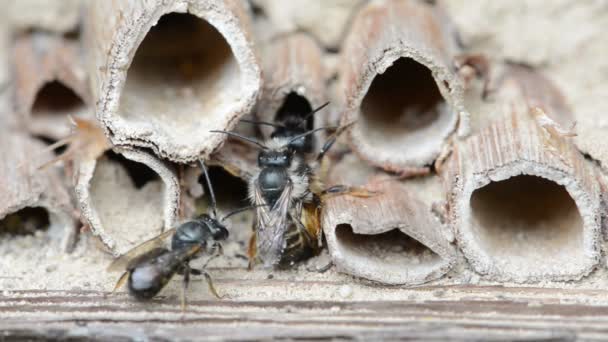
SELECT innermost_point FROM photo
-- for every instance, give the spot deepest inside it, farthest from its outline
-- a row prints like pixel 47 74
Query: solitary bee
pixel 149 266
pixel 288 194
pixel 291 125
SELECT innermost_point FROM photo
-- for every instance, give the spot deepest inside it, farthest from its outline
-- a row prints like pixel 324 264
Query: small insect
pixel 291 125
pixel 150 266
pixel 288 194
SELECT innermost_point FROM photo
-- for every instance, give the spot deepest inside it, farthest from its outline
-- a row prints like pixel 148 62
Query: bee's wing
pixel 271 224
pixel 121 263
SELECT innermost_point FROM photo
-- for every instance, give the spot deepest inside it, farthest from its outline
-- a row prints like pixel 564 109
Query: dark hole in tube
pixel 25 221
pixel 297 105
pixel 527 216
pixel 139 173
pixel 55 98
pixel 404 98
pixel 391 248
pixel 184 67
pixel 230 191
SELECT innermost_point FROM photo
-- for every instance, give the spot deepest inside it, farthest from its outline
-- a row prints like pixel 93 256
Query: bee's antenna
pixel 265 123
pixel 236 135
pixel 210 187
pixel 307 116
pixel 240 210
pixel 299 136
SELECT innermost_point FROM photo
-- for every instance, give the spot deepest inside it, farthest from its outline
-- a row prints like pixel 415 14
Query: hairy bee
pixel 287 192
pixel 150 266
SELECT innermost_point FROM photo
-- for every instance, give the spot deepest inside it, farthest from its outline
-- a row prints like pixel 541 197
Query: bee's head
pixel 291 127
pixel 275 158
pixel 217 230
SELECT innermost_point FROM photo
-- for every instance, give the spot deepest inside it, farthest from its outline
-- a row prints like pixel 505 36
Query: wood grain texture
pixel 479 314
pixel 23 185
pixel 363 239
pixel 397 49
pixel 170 109
pixel 39 59
pixel 542 227
pixel 293 64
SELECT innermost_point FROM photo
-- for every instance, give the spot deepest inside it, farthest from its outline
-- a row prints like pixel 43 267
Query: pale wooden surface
pixel 459 313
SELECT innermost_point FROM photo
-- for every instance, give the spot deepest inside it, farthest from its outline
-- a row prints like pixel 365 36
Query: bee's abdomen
pixel 297 247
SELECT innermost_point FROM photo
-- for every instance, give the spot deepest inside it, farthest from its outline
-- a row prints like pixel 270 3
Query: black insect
pixel 287 192
pixel 149 266
pixel 291 125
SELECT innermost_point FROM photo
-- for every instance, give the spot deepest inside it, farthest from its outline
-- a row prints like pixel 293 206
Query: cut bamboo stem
pixel 51 16
pixel 392 237
pixel 399 84
pixel 523 203
pixel 325 20
pixel 166 73
pixel 50 83
pixel 294 80
pixel 29 196
pixel 127 196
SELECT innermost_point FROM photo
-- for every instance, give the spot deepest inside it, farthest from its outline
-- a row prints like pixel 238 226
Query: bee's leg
pixel 252 251
pixel 196 271
pixel 185 284
pixel 218 252
pixel 121 281
pixel 210 284
pixel 339 190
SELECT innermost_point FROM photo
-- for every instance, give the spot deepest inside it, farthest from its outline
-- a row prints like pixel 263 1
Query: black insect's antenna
pixel 309 115
pixel 236 135
pixel 210 187
pixel 240 210
pixel 264 123
pixel 299 136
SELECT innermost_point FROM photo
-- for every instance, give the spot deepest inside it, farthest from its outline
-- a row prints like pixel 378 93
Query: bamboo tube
pixel 325 20
pixel 294 80
pixel 392 237
pixel 50 16
pixel 165 73
pixel 127 196
pixel 31 197
pixel 399 84
pixel 523 203
pixel 50 83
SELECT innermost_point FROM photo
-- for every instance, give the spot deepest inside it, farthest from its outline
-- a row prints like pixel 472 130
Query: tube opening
pixel 527 221
pixel 230 191
pixel 182 76
pixel 393 249
pixel 404 107
pixel 295 105
pixel 139 173
pixel 54 98
pixel 128 198
pixel 26 221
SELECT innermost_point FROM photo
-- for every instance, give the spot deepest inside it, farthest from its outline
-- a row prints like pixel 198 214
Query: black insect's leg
pixel 185 284
pixel 210 283
pixel 218 251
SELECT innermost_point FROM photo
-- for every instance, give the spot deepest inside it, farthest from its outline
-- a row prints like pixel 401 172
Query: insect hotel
pixel 265 169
